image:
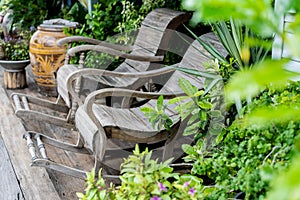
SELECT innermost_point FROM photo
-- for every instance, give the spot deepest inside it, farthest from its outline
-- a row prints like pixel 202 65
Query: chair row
pixel 105 130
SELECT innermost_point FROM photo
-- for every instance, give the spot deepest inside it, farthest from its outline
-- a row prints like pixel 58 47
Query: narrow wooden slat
pixel 286 51
pixel 289 17
pixel 160 18
pixel 149 38
pixel 9 187
pixel 62 75
pixel 122 118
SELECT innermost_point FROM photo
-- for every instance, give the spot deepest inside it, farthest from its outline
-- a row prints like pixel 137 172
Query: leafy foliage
pixel 274 118
pixel 259 16
pixel 31 13
pixel 144 178
pixel 246 159
pixel 95 188
pixel 15 48
pixel 158 116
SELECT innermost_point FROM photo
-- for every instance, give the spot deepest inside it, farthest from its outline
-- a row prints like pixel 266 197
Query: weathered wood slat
pixel 15 80
pixel 9 187
pixel 161 17
pixel 286 51
pixel 148 38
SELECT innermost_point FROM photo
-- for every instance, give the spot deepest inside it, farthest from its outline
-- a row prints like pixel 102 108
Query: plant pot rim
pixel 14 61
pixel 14 65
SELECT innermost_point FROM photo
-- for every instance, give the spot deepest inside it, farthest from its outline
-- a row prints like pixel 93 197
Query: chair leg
pixel 46 163
pixel 78 148
pixel 40 159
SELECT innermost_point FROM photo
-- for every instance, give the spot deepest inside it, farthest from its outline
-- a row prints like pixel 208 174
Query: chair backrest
pixel 152 39
pixel 194 58
pixel 154 36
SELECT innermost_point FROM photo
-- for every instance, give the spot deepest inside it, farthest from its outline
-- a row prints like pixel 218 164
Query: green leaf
pixel 80 195
pixel 147 109
pixel 188 149
pixel 286 185
pixel 192 129
pixel 207 46
pixel 199 93
pixel 262 116
pixel 204 104
pixel 249 83
pixel 177 99
pixel 187 87
pixel 160 101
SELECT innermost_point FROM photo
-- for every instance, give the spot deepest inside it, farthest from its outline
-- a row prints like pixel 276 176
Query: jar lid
pixel 58 23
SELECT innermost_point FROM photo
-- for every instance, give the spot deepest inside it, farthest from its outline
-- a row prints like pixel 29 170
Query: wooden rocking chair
pixel 148 49
pixel 99 124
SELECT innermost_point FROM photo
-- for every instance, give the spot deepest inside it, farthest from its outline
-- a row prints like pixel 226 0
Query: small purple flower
pixel 192 191
pixel 155 198
pixel 186 184
pixel 32 28
pixel 161 187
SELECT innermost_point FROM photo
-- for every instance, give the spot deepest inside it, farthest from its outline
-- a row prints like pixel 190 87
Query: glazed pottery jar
pixel 45 56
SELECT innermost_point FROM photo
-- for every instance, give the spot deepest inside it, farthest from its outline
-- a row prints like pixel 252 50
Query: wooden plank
pixel 278 42
pixel 9 187
pixel 286 53
pixel 149 39
pixel 161 19
pixel 290 17
pixel 34 182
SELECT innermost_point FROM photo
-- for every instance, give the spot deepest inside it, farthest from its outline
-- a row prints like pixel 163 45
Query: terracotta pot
pixel 46 57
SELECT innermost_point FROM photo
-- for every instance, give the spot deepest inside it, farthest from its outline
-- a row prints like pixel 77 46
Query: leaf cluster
pixel 144 178
pixel 247 159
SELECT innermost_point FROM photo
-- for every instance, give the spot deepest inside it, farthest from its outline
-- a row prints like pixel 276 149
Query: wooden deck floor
pixel 18 179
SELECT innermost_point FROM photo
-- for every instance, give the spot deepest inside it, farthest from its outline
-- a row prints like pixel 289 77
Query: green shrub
pixel 144 178
pixel 246 159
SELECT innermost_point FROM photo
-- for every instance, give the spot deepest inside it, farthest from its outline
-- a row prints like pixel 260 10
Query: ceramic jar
pixel 45 56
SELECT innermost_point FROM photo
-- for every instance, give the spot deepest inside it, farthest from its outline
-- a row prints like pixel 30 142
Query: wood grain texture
pixel 14 80
pixel 9 187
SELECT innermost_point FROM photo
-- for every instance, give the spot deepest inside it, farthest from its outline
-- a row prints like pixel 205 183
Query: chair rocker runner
pixel 98 124
pixel 146 51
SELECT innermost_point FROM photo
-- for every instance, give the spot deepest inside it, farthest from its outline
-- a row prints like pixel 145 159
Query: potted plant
pixel 14 51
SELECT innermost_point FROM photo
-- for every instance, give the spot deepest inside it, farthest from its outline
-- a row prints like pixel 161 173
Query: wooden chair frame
pixel 64 105
pixel 95 129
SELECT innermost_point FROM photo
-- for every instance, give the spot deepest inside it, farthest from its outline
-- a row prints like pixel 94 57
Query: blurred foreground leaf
pixel 264 116
pixel 287 184
pixel 250 82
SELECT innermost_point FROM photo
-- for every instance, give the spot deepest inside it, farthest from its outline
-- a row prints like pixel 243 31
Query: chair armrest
pixel 118 92
pixel 113 52
pixel 61 42
pixel 86 71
